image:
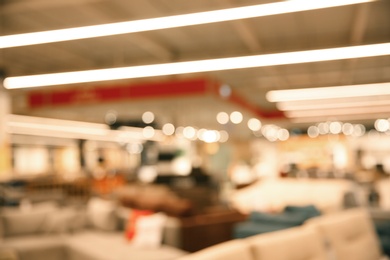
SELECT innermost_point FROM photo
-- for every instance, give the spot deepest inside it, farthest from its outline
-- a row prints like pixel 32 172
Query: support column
pixel 5 147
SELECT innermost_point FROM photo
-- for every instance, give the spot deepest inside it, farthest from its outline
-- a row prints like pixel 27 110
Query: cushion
pixel 230 250
pixel 102 214
pixel 30 221
pixel 133 217
pixel 79 221
pixel 60 221
pixel 299 243
pixel 37 247
pixel 350 233
pixel 149 231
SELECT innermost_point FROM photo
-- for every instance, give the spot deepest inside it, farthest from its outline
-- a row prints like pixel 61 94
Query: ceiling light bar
pixel 332 103
pixel 39 126
pixel 348 118
pixel 197 66
pixel 338 112
pixel 55 122
pixel 230 14
pixel 350 91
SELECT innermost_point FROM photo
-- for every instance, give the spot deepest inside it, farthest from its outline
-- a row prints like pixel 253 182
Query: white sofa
pixel 48 232
pixel 294 244
pixel 349 234
pixel 237 249
pixel 344 235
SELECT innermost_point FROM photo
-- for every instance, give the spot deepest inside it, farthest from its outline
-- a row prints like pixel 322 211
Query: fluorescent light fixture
pixel 337 112
pixel 333 103
pixel 350 91
pixel 347 118
pixel 361 51
pixel 170 22
pixel 38 126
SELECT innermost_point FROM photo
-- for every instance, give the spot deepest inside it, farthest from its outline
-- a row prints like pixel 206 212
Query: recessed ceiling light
pixel 254 124
pixel 168 129
pixel 222 118
pixel 236 117
pixel 148 117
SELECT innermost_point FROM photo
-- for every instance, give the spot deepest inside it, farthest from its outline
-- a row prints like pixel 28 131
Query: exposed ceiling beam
pixel 244 31
pixel 154 48
pixel 55 49
pixel 247 35
pixel 359 24
pixel 13 7
pixel 356 36
pixel 252 43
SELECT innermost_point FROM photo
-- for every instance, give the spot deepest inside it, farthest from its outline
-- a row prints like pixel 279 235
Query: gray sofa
pixel 47 231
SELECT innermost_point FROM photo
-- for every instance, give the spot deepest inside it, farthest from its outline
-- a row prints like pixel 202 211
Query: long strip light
pixel 338 112
pixel 334 103
pixel 350 91
pixel 170 22
pixel 198 66
pixel 349 118
pixel 38 126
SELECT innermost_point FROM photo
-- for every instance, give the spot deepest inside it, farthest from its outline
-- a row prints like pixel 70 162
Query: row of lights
pixel 236 117
pixel 336 127
pixel 188 132
pixel 271 132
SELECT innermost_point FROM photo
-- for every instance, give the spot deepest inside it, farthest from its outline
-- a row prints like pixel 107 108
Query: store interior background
pixel 224 126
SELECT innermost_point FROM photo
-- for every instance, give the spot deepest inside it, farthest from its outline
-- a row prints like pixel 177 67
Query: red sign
pixel 178 88
pixel 41 99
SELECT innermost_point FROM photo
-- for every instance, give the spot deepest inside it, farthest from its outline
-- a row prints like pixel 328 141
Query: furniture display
pixel 345 235
pixel 259 222
pixel 73 232
pixel 190 227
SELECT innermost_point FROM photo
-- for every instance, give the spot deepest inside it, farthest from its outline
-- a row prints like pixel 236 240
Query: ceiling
pixel 326 28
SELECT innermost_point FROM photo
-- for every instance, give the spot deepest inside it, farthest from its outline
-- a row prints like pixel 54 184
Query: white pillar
pixel 5 148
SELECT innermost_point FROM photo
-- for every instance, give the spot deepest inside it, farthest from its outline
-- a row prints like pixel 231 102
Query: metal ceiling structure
pixel 351 25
